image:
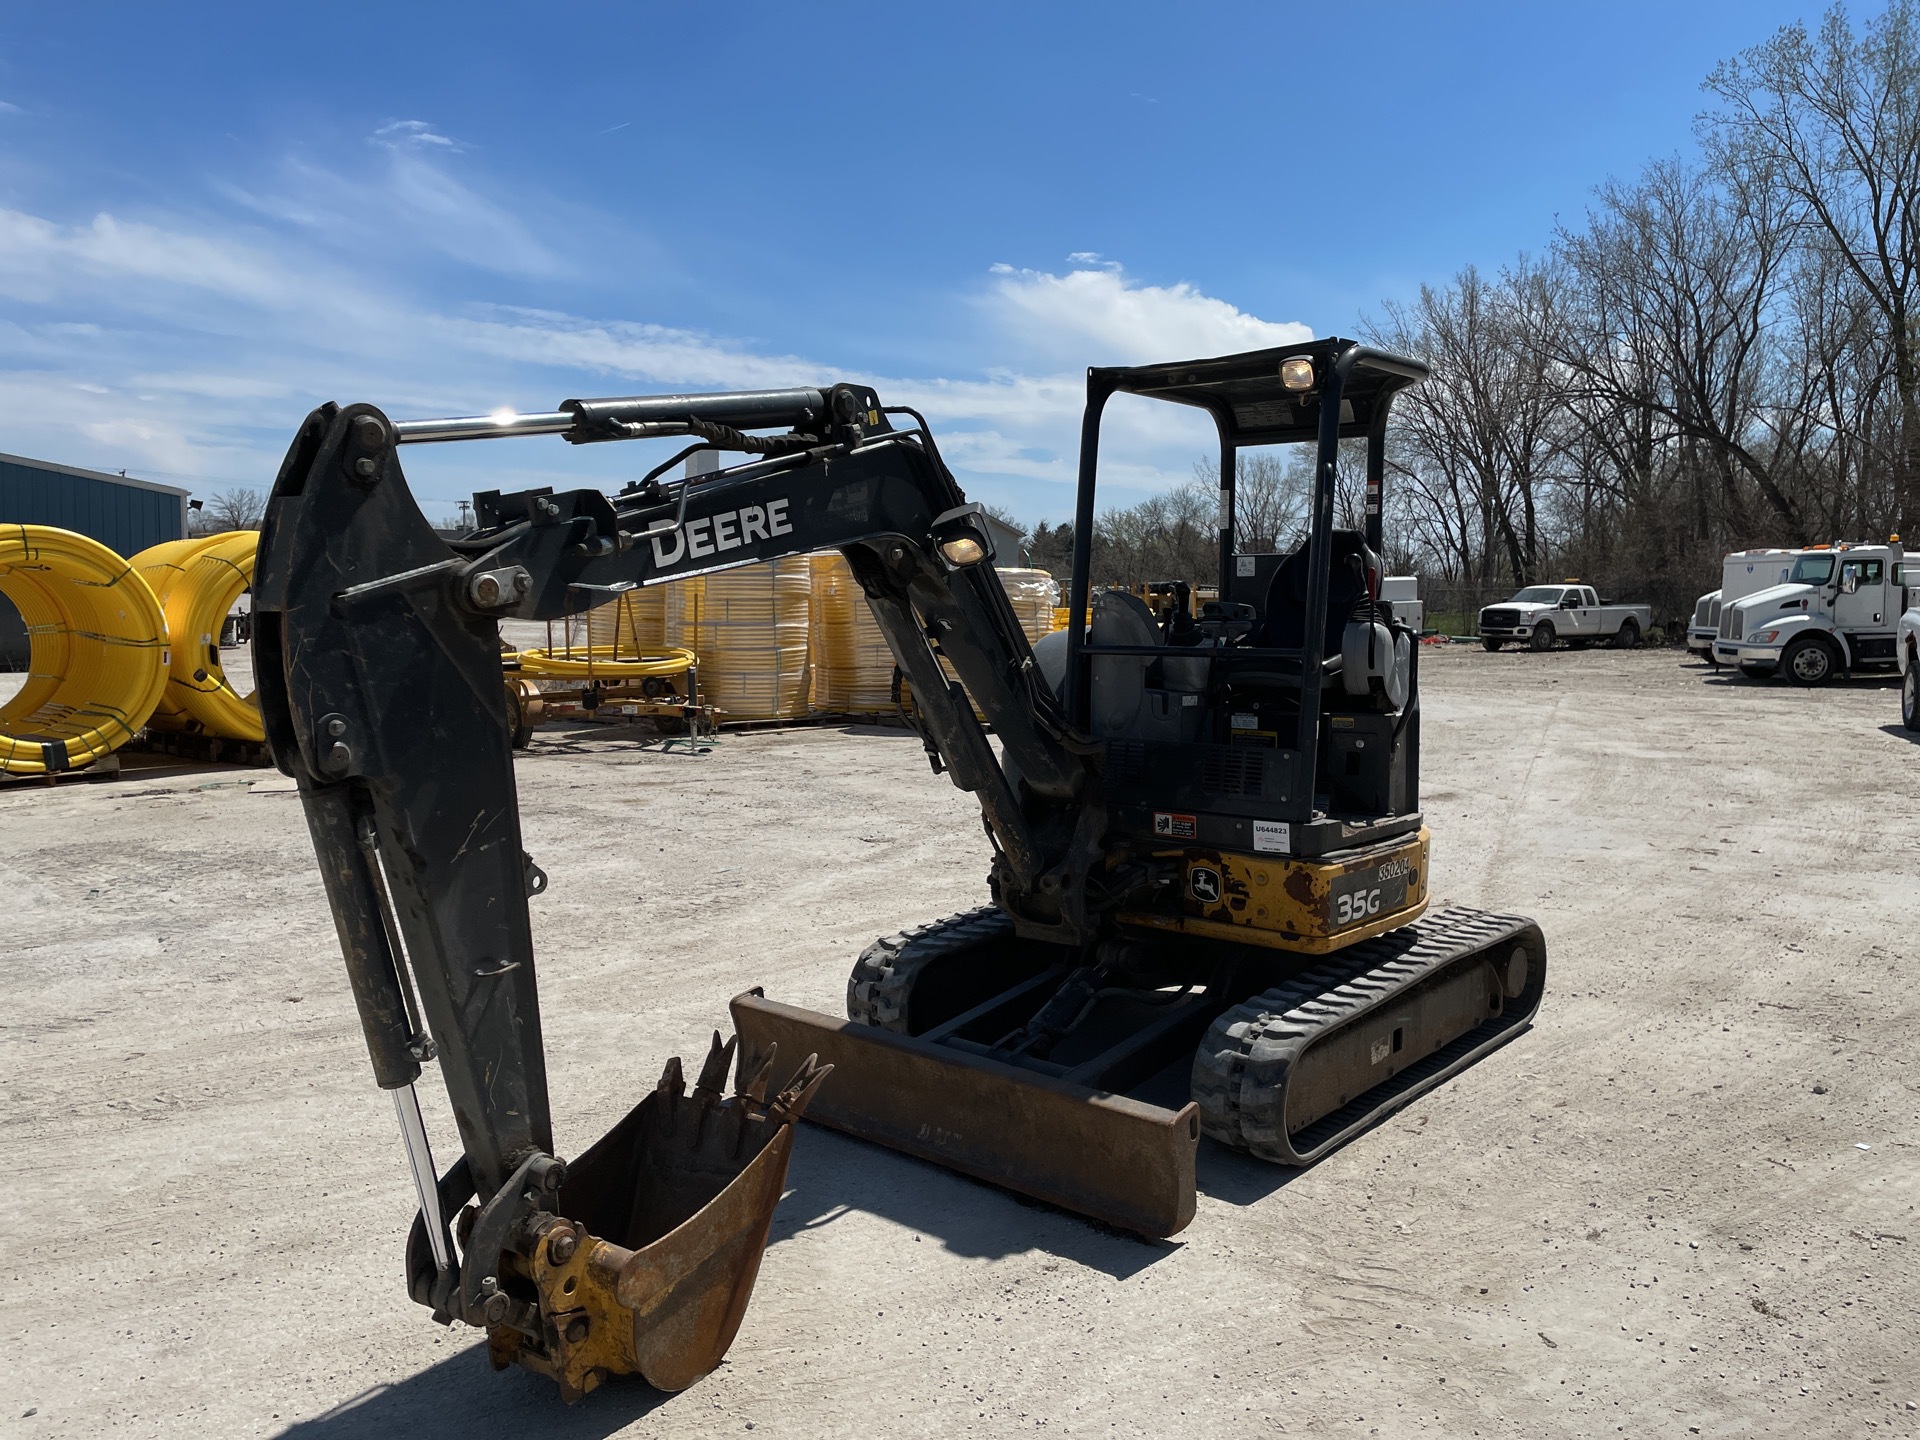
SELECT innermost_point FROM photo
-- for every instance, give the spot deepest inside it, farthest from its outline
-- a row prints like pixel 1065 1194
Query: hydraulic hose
pixel 599 662
pixel 97 647
pixel 197 582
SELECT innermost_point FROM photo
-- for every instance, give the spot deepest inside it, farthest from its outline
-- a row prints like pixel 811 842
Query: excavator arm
pixel 376 645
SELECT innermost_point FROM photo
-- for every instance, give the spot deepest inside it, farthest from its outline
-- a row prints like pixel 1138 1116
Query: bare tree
pixel 233 510
pixel 1479 438
pixel 1675 279
pixel 1833 120
pixel 1269 498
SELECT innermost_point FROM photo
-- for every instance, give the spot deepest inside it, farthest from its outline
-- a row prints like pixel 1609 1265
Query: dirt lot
pixel 1684 1203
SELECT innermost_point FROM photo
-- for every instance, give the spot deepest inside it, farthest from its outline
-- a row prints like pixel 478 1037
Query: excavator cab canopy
pixel 1270 397
pixel 1319 392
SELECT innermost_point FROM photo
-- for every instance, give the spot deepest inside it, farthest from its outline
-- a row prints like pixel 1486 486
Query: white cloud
pixel 44 262
pixel 396 133
pixel 1101 315
pixel 7 108
pixel 190 349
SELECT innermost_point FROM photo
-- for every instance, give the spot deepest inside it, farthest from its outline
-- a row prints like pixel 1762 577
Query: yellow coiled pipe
pixel 599 662
pixel 196 582
pixel 97 646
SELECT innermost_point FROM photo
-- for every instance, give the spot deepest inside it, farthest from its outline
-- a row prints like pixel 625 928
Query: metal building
pixel 124 514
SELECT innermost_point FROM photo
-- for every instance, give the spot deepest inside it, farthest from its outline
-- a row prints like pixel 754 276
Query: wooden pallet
pixel 214 749
pixel 107 767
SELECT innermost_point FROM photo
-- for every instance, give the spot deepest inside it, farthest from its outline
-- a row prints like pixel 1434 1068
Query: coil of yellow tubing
pixel 196 582
pixel 599 662
pixel 97 647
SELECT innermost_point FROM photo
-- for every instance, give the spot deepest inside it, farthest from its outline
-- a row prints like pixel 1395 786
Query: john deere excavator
pixel 1209 867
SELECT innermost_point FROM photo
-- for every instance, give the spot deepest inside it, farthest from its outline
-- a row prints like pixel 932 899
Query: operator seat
pixel 1283 619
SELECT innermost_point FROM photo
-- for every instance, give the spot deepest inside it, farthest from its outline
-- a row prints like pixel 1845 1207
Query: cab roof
pixel 1244 394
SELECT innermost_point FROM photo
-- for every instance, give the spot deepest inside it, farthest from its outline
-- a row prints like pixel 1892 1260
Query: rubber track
pixel 884 975
pixel 1241 1069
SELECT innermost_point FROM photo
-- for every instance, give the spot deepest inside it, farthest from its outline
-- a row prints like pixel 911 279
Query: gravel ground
pixel 1683 1203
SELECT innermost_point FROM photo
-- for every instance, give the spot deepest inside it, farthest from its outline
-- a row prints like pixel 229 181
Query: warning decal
pixel 1176 827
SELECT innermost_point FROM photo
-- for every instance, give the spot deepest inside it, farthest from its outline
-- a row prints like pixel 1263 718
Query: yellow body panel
pixel 1309 906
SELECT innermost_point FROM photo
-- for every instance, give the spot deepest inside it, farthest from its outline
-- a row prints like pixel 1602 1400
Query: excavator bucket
pixel 665 1219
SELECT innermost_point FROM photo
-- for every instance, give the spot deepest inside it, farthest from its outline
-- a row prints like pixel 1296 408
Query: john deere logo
pixel 1205 884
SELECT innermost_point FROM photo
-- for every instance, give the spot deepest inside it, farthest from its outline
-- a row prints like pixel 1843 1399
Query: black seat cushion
pixel 1283 620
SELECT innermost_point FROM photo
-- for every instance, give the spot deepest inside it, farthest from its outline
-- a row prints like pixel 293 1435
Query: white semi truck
pixel 1741 574
pixel 1838 610
pixel 1542 614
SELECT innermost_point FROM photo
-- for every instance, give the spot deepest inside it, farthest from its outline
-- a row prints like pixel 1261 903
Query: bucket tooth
pixel 754 1086
pixel 672 1081
pixel 713 1074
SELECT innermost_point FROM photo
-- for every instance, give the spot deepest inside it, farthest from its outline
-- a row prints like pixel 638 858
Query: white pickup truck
pixel 1542 614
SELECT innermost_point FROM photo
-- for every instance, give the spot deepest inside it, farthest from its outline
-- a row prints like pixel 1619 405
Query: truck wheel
pixel 1487 642
pixel 1628 635
pixel 1542 637
pixel 1910 691
pixel 1810 660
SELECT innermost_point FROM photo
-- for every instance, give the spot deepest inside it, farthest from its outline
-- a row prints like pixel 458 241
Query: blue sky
pixel 214 217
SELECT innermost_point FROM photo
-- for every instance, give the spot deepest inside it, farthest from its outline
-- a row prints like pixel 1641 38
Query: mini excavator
pixel 1209 871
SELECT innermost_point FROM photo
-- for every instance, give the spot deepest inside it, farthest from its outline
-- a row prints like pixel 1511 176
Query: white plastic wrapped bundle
pixel 1034 594
pixel 852 666
pixel 634 624
pixel 748 630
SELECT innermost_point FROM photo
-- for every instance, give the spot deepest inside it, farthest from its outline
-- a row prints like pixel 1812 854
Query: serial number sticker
pixel 1272 835
pixel 1382 1048
pixel 1244 722
pixel 1176 827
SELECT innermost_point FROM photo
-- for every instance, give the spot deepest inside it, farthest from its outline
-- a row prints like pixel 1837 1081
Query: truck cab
pixel 1741 574
pixel 1837 611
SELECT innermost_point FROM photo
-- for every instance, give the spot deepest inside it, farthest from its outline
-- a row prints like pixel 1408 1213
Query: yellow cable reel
pixel 196 582
pixel 599 662
pixel 97 646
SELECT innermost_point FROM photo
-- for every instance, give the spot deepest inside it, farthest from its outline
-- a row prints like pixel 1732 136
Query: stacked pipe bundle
pixel 1033 593
pixel 635 624
pixel 97 650
pixel 748 628
pixel 197 582
pixel 852 666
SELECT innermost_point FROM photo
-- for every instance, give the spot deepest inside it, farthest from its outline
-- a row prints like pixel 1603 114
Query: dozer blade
pixel 650 1263
pixel 1120 1160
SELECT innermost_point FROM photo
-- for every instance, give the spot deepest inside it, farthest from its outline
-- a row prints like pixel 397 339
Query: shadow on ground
pixel 1901 732
pixel 832 1176
pixel 1730 676
pixel 460 1398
